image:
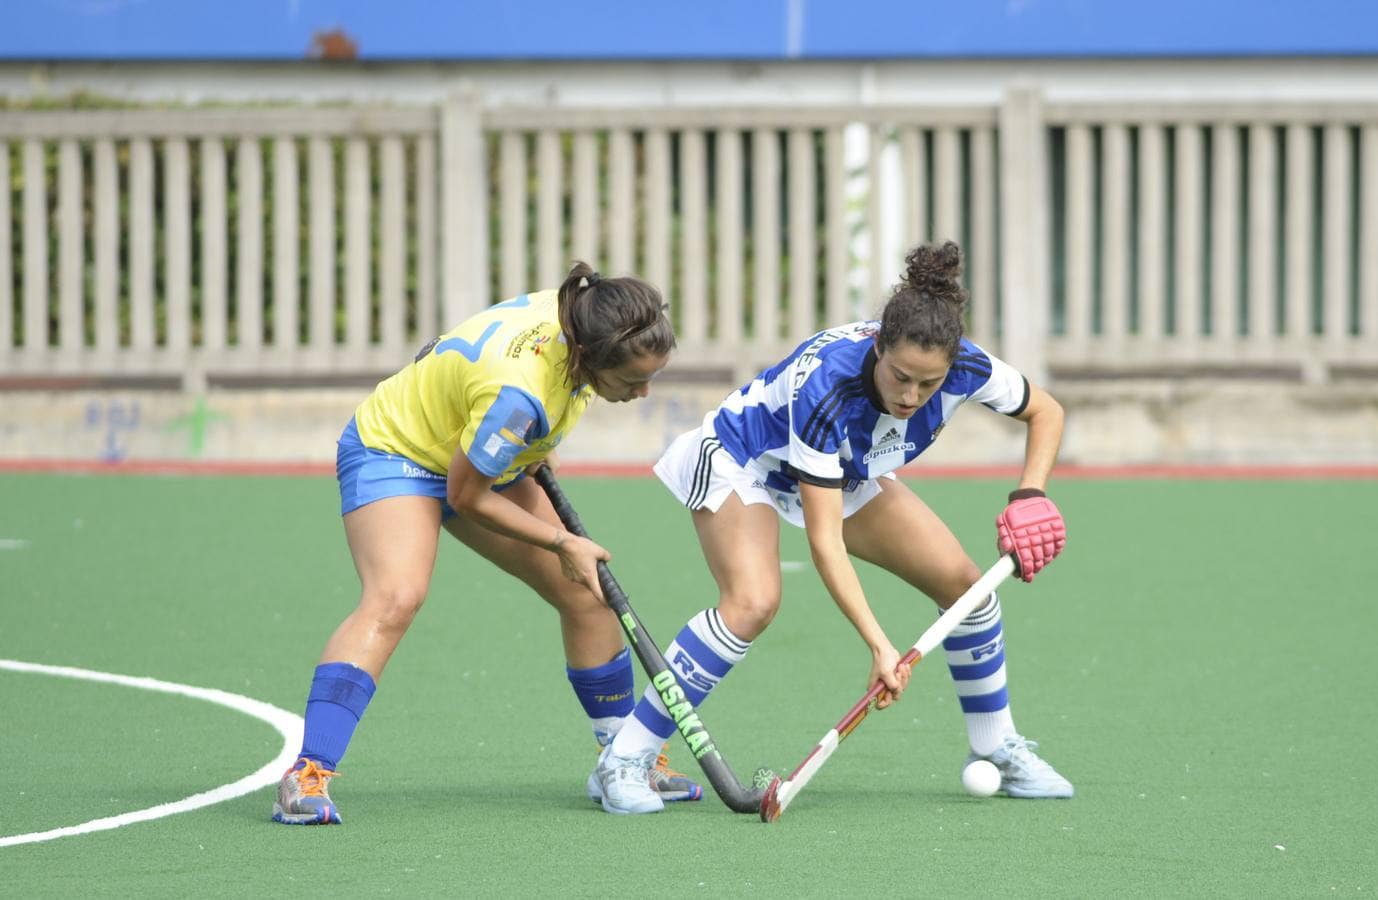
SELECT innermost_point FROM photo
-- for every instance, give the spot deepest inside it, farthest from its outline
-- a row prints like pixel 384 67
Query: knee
pixel 393 607
pixel 572 600
pixel 956 584
pixel 747 614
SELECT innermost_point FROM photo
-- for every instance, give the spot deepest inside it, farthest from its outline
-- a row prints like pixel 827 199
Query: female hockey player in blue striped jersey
pixel 815 440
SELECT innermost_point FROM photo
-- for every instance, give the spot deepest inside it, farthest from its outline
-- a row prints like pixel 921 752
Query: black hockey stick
pixel 738 797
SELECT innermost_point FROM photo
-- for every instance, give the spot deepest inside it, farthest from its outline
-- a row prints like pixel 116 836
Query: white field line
pixel 13 544
pixel 289 725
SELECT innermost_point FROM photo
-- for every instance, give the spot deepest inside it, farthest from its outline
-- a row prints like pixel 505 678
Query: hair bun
pixel 936 270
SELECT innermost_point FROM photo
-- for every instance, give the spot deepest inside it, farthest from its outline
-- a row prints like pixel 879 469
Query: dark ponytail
pixel 608 321
pixel 927 307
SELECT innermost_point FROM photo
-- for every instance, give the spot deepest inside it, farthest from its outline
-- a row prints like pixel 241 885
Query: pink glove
pixel 1032 529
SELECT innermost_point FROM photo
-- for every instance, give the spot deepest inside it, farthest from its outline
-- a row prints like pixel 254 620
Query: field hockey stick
pixel 780 793
pixel 733 793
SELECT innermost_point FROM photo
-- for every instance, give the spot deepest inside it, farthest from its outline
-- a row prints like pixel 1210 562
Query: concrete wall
pixel 1114 423
pixel 1110 422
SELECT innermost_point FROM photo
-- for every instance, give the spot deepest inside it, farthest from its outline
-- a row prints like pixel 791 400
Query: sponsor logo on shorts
pixel 411 471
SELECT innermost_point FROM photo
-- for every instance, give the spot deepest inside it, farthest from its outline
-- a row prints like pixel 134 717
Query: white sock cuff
pixel 982 619
pixel 709 627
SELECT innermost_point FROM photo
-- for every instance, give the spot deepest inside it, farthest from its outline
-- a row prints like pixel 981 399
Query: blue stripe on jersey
pixel 825 415
pixel 820 388
pixel 826 402
pixel 511 423
pixel 753 427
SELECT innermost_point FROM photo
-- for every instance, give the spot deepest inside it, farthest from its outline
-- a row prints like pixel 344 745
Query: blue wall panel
pixel 661 29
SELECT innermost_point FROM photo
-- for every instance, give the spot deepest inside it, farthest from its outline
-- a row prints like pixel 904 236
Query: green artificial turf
pixel 1198 663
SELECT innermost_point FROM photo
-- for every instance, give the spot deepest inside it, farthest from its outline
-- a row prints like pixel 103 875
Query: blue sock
pixel 976 659
pixel 339 694
pixel 606 693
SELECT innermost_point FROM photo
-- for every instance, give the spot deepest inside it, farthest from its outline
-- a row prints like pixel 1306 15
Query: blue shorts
pixel 366 474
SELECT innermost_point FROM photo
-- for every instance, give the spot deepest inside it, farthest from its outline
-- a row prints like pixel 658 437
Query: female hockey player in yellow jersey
pixel 446 443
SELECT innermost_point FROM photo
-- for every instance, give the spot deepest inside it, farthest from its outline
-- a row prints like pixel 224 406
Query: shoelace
pixel 663 767
pixel 632 769
pixel 313 778
pixel 1019 750
pixel 631 772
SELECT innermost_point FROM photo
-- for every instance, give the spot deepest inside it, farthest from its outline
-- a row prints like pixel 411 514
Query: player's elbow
pixel 1054 412
pixel 463 502
pixel 1053 406
pixel 1044 408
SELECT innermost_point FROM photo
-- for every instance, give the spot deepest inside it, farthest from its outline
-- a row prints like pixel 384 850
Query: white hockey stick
pixel 780 793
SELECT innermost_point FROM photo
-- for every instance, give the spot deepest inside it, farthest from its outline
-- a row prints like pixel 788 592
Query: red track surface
pixel 638 470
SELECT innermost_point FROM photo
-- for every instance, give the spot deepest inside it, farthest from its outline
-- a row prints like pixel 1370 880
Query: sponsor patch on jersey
pixel 493 446
pixel 512 421
pixel 531 339
pixel 510 438
pixel 890 442
pixel 517 427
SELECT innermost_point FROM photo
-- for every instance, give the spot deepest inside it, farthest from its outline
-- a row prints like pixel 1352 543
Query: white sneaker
pixel 665 781
pixel 1023 773
pixel 624 783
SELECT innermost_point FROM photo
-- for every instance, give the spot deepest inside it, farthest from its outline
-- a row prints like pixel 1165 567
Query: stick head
pixel 770 803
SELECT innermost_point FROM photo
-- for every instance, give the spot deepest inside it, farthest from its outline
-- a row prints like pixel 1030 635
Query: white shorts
pixel 700 473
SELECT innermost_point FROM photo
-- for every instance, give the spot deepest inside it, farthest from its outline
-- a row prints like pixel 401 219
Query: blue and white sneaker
pixel 624 783
pixel 1024 773
pixel 665 781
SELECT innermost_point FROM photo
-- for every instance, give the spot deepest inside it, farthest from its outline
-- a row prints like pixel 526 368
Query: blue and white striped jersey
pixel 816 415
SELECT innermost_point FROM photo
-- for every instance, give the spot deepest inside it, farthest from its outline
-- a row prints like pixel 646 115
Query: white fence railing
pixel 1225 237
pixel 242 244
pixel 216 243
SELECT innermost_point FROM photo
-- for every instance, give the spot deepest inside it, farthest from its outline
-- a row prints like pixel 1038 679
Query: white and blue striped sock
pixel 976 659
pixel 701 655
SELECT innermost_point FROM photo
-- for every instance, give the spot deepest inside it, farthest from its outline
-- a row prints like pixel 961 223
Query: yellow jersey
pixel 495 385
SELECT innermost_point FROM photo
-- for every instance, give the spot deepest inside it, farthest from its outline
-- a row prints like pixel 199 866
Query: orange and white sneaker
pixel 665 781
pixel 303 798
